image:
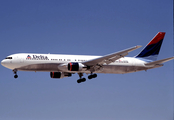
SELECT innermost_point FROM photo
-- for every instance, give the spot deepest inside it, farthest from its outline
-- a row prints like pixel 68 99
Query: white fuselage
pixel 50 63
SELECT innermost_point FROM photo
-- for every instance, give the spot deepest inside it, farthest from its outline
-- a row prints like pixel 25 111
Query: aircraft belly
pixel 116 69
pixel 40 67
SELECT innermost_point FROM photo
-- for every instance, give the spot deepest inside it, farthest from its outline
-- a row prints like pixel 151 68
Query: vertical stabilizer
pixel 151 51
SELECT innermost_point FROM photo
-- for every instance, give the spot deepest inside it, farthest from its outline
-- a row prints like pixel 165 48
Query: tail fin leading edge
pixel 151 51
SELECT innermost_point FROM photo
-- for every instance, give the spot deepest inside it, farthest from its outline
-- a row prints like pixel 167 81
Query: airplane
pixel 60 65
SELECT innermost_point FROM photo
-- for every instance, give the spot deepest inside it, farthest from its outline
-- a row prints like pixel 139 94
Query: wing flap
pixel 110 57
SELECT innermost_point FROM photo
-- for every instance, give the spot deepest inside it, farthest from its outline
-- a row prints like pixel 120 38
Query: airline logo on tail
pixel 152 49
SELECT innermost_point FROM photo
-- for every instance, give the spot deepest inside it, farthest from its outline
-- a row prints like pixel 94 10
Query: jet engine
pixel 72 66
pixel 75 66
pixel 59 74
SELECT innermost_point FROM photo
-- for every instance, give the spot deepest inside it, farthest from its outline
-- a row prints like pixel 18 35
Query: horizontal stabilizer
pixel 158 62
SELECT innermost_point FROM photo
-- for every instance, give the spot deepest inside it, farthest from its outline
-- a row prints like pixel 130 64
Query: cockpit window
pixel 8 58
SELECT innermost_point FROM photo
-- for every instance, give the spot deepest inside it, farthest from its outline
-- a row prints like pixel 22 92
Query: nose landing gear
pixel 15 72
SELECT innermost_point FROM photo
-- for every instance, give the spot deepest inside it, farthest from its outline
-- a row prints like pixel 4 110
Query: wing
pixel 110 57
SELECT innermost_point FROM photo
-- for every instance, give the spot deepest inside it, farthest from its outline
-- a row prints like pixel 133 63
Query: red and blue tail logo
pixel 151 51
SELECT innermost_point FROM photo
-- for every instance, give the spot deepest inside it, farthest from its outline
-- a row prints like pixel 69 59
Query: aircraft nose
pixel 2 62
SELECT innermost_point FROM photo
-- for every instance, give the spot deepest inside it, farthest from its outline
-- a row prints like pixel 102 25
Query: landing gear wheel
pixel 78 81
pixel 15 72
pixel 92 76
pixel 15 76
pixel 81 80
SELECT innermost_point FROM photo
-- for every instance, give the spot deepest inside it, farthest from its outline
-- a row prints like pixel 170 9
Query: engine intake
pixel 75 66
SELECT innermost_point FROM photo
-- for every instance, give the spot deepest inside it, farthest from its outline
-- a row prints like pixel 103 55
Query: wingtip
pixel 138 46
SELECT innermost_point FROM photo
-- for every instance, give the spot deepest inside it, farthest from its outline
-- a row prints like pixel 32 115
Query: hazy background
pixel 85 27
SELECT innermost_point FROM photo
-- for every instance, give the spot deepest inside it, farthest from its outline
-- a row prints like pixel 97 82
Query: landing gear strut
pixel 15 72
pixel 81 79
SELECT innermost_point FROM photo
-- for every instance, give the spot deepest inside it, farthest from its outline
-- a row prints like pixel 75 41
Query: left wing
pixel 110 57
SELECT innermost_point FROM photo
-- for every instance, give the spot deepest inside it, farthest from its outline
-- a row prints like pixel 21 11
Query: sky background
pixel 85 27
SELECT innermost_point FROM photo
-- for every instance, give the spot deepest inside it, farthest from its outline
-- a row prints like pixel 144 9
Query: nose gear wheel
pixel 15 72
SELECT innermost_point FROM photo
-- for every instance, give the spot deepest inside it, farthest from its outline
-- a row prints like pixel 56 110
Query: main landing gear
pixel 84 79
pixel 92 76
pixel 15 72
pixel 81 79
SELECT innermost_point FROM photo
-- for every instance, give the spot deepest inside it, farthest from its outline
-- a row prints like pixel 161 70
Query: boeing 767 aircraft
pixel 61 66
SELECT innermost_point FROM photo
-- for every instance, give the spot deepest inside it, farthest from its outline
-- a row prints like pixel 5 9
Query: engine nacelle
pixel 59 74
pixel 75 66
pixel 72 66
